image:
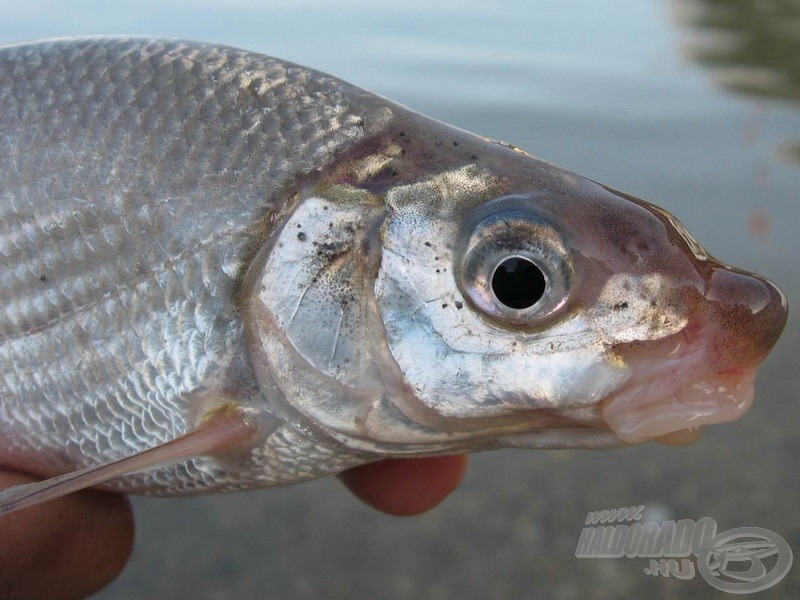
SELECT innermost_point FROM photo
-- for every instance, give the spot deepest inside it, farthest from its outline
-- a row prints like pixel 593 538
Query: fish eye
pixel 518 283
pixel 516 268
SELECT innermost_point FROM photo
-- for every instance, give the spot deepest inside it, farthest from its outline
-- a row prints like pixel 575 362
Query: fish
pixel 222 271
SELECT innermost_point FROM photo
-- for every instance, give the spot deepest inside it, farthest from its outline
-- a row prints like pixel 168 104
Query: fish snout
pixel 704 374
pixel 749 312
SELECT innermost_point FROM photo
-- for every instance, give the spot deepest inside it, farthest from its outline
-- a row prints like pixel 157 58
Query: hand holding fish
pixel 64 549
pixel 75 545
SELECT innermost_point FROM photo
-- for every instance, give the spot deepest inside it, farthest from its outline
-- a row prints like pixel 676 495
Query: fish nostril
pixel 750 310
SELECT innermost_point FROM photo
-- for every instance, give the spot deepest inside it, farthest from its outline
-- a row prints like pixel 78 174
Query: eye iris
pixel 518 283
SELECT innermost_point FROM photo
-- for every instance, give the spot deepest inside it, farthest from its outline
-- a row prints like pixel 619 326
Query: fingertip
pixel 405 487
pixel 107 530
pixel 64 549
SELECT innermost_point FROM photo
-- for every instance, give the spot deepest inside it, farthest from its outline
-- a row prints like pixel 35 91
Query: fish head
pixel 489 299
pixel 580 306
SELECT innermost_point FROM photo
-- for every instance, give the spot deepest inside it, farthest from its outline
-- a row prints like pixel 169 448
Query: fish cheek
pixel 461 367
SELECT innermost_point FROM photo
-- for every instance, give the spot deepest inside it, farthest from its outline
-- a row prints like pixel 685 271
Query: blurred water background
pixel 690 104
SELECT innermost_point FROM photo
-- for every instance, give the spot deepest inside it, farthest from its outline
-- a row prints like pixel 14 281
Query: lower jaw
pixel 678 417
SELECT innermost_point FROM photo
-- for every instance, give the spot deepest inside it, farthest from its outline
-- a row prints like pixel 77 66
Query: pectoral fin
pixel 220 431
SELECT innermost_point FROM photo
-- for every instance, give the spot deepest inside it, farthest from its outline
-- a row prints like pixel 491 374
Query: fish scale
pixel 155 130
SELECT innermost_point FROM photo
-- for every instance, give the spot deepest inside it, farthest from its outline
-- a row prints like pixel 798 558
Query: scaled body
pixel 137 180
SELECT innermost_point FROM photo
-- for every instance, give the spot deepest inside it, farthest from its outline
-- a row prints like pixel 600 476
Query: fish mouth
pixel 703 374
pixel 677 417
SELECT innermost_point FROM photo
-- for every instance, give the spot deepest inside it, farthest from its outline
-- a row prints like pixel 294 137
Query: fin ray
pixel 223 429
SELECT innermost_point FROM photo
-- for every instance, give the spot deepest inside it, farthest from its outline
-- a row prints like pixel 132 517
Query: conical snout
pixel 749 312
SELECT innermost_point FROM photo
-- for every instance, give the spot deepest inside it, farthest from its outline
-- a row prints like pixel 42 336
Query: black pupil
pixel 518 283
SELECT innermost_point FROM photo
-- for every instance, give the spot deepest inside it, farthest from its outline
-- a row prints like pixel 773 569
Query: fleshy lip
pixel 717 398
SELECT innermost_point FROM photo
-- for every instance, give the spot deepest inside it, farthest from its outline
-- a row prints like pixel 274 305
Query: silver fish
pixel 223 271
